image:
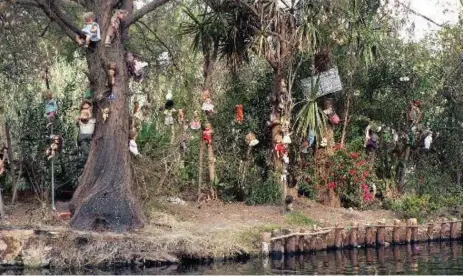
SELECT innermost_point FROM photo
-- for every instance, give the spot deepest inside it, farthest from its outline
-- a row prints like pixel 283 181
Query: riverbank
pixel 175 231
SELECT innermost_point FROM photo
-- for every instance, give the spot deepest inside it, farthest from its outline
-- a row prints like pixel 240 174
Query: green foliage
pixel 268 192
pixel 298 219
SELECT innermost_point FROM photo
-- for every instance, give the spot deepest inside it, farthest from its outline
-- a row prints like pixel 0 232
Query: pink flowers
pixel 332 185
pixel 353 172
pixel 367 196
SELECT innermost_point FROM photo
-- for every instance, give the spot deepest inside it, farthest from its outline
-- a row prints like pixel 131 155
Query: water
pixel 435 258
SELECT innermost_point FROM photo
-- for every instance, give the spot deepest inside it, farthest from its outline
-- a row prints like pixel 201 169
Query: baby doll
pixel 181 116
pixel 169 119
pixel 196 123
pixel 207 134
pixel 281 149
pixel 428 141
pixel 113 29
pixel 286 133
pixel 206 94
pixel 51 108
pixel 55 147
pixel 86 113
pixel 133 148
pixel 239 113
pixel 112 73
pixel 208 107
pixel 251 139
pixel 105 114
pixel 91 30
pixel 414 115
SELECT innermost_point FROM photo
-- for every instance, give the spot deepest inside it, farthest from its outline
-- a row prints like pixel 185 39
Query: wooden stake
pixel 443 227
pixel 210 151
pixel 369 236
pixel 276 245
pixel 301 242
pixel 408 233
pixel 454 229
pixel 200 174
pixel 381 234
pixel 290 245
pixel 396 232
pixel 266 243
pixel 430 231
pixel 353 238
pixel 338 237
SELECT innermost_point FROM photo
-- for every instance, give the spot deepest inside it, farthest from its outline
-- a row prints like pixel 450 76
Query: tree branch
pixel 145 10
pixel 419 14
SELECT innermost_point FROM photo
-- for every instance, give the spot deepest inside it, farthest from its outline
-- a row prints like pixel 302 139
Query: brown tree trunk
pixel 210 153
pixel 104 199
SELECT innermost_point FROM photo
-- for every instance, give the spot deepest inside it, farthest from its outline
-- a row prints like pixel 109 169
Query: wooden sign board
pixel 330 82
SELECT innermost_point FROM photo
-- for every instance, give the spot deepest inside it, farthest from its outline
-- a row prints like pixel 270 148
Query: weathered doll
pixel 239 113
pixel 414 115
pixel 281 149
pixel 208 107
pixel 112 73
pixel 91 30
pixel 206 94
pixel 332 116
pixel 55 147
pixel 105 114
pixel 169 118
pixel 305 146
pixel 169 101
pixel 251 139
pixel 181 116
pixel 428 141
pixel 86 123
pixel 286 133
pixel 207 134
pixel 133 147
pixel 51 108
pixel 113 29
pixel 136 67
pixel 196 122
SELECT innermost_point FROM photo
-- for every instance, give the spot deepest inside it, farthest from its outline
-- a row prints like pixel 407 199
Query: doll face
pixel 90 20
pixel 122 15
pixel 49 96
pixel 85 106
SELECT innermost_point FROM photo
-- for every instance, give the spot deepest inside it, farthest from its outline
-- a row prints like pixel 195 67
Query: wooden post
pixel 380 234
pixel 443 227
pixel 200 173
pixel 430 231
pixel 369 236
pixel 266 243
pixel 210 151
pixel 396 232
pixel 276 245
pixel 353 238
pixel 408 233
pixel 301 242
pixel 454 229
pixel 338 237
pixel 414 237
pixel 290 244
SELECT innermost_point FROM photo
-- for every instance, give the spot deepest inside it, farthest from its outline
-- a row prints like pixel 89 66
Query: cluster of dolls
pixel 51 111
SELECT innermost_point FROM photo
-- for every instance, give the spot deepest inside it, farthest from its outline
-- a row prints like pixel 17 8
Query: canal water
pixel 434 258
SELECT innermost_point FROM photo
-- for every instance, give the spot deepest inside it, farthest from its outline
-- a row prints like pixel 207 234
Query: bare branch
pixel 419 14
pixel 145 10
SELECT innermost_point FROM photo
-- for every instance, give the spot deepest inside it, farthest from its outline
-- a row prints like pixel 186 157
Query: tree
pixel 104 198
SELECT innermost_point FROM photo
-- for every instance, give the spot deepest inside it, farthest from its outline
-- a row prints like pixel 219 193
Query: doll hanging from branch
pixel 239 113
pixel 196 122
pixel 208 133
pixel 251 139
pixel 91 31
pixel 113 29
pixel 51 108
pixel 55 148
pixel 112 73
pixel 281 149
pixel 133 147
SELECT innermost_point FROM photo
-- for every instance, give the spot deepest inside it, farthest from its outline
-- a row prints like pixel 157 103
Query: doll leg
pixel 109 37
pixel 87 40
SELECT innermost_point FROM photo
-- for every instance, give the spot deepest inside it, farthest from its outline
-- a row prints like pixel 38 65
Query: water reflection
pixel 436 258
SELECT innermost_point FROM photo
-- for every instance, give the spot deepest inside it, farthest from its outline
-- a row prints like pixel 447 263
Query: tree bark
pixel 104 198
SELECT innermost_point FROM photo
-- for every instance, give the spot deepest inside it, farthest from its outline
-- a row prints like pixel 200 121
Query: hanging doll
pixel 286 133
pixel 105 114
pixel 196 122
pixel 239 113
pixel 86 122
pixel 51 108
pixel 305 146
pixel 113 29
pixel 55 147
pixel 169 119
pixel 133 147
pixel 281 149
pixel 207 134
pixel 332 116
pixel 91 31
pixel 111 73
pixel 169 102
pixel 136 67
pixel 181 116
pixel 414 115
pixel 251 139
pixel 428 141
pixel 206 94
pixel 207 106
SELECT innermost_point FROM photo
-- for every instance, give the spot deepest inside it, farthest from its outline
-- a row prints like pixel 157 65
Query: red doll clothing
pixel 207 136
pixel 281 149
pixel 239 113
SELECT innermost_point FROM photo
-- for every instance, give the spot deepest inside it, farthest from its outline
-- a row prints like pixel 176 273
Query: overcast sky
pixel 441 11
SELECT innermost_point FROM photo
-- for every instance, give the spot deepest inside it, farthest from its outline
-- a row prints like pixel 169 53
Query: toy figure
pixel 86 110
pixel 206 94
pixel 281 149
pixel 428 141
pixel 113 29
pixel 105 114
pixel 286 133
pixel 414 115
pixel 207 106
pixel 85 122
pixel 55 147
pixel 332 116
pixel 305 147
pixel 207 134
pixel 181 116
pixel 91 31
pixel 112 73
pixel 51 108
pixel 239 113
pixel 169 119
pixel 133 147
pixel 251 139
pixel 196 123
pixel 136 67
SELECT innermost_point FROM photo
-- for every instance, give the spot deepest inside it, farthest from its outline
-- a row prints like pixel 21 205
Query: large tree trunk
pixel 103 199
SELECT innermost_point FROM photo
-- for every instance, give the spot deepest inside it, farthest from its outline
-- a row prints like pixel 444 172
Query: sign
pixel 329 82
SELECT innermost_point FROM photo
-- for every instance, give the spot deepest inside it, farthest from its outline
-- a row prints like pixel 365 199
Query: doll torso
pixel 89 30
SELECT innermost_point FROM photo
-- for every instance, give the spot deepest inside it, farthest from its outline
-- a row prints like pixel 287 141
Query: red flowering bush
pixel 350 177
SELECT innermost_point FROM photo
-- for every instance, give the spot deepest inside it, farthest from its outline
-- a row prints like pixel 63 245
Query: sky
pixel 441 11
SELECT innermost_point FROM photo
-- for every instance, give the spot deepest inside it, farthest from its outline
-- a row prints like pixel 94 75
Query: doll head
pixel 278 139
pixel 112 66
pixel 417 103
pixel 89 17
pixel 195 114
pixel 208 126
pixel 206 93
pixel 85 115
pixel 121 14
pixel 48 95
pixel 86 105
pixel 106 110
pixel 133 135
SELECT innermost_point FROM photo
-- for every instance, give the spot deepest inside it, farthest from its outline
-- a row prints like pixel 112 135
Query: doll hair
pixel 88 16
